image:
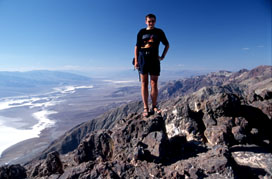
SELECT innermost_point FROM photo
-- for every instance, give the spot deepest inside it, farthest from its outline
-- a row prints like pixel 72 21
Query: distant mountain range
pixel 40 81
pixel 21 83
pixel 246 79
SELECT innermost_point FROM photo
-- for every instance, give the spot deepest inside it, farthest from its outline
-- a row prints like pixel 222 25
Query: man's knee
pixel 154 84
pixel 145 84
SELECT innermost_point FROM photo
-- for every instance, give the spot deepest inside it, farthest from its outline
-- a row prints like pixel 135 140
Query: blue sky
pixel 100 35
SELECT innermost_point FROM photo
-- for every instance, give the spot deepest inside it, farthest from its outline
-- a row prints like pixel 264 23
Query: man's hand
pixel 161 58
pixel 136 65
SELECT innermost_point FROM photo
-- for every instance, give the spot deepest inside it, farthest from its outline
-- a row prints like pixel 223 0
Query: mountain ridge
pixel 209 126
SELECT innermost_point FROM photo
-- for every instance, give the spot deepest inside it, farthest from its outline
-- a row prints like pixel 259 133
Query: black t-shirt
pixel 149 40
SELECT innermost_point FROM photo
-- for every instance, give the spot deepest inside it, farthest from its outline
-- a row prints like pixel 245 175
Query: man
pixel 147 60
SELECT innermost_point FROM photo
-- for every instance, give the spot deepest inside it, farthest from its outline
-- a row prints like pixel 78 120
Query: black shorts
pixel 149 64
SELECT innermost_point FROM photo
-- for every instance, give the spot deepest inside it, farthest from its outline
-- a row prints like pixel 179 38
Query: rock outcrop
pixel 51 166
pixel 71 139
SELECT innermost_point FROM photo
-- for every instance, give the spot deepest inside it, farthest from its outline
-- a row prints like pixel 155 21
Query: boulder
pixel 97 144
pixel 184 121
pixel 50 166
pixel 266 94
pixel 216 135
pixel 253 159
pixel 238 134
pixel 208 120
pixel 216 161
pixel 135 137
pixel 156 144
pixel 222 104
pixel 12 171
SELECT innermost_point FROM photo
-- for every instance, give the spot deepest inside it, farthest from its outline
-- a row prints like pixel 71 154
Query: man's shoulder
pixel 142 30
pixel 159 30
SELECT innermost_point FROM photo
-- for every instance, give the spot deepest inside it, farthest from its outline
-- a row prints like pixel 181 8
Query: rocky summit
pixel 214 126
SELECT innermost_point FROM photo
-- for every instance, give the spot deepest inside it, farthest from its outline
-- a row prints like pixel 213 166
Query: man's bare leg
pixel 144 91
pixel 154 90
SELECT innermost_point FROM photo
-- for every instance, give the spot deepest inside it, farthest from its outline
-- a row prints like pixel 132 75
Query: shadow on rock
pixel 180 149
pixel 248 172
pixel 259 124
pixel 254 149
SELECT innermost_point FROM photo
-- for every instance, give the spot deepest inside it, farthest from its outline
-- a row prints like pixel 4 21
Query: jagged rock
pixel 266 94
pixel 52 165
pixel 216 160
pixel 97 144
pixel 130 135
pixel 261 96
pixel 12 172
pixel 226 121
pixel 217 135
pixel 258 160
pixel 252 97
pixel 183 121
pixel 242 122
pixel 77 170
pixel 238 134
pixel 259 124
pixel 101 171
pixel 265 107
pixel 174 175
pixel 222 104
pixel 254 132
pixel 208 120
pixel 156 143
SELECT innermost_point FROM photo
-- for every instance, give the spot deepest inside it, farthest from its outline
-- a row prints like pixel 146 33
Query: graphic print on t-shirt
pixel 148 40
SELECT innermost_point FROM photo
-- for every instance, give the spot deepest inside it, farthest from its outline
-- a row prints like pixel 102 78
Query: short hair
pixel 150 16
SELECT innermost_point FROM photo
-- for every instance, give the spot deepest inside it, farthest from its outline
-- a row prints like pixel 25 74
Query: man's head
pixel 150 21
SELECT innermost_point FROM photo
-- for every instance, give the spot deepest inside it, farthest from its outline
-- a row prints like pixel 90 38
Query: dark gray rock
pixel 50 166
pixel 209 120
pixel 97 144
pixel 253 160
pixel 216 160
pixel 238 134
pixel 136 138
pixel 156 143
pixel 222 104
pixel 216 135
pixel 12 172
pixel 266 94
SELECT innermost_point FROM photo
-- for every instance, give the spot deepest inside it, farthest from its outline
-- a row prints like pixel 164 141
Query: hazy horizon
pixel 131 74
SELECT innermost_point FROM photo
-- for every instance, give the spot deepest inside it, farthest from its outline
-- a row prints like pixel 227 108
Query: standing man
pixel 147 60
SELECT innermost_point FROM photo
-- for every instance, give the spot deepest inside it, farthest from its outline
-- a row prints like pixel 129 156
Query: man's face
pixel 150 22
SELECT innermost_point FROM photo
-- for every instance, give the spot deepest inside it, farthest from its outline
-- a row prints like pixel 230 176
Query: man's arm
pixel 166 47
pixel 136 57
